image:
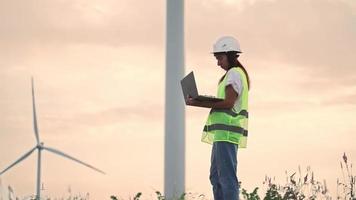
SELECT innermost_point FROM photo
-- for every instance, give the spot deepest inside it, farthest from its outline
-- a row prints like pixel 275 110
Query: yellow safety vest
pixel 230 125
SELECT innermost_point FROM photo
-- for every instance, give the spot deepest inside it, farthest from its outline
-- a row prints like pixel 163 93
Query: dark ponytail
pixel 243 69
pixel 232 58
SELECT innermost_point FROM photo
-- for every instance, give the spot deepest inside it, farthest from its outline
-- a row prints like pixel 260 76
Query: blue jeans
pixel 223 171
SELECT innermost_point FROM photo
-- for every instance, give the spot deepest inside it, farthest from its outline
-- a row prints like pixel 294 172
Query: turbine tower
pixel 40 147
pixel 174 158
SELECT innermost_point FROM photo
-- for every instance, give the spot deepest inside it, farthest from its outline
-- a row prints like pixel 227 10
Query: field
pixel 298 186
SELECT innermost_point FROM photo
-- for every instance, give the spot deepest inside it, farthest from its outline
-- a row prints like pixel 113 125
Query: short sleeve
pixel 234 79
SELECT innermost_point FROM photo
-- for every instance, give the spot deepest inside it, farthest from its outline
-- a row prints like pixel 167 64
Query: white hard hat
pixel 226 44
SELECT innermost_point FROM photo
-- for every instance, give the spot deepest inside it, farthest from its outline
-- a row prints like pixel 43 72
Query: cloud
pixel 349 100
pixel 119 115
pixel 319 36
pixel 316 35
pixel 62 22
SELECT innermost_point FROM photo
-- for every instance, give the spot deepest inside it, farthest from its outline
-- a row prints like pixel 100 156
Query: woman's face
pixel 222 61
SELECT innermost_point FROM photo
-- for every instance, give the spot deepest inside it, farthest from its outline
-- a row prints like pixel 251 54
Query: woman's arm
pixel 229 101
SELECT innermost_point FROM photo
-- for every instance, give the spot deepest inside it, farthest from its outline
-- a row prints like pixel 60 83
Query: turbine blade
pixel 19 160
pixel 35 127
pixel 72 158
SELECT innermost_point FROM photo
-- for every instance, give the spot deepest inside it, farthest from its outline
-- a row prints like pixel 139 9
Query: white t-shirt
pixel 233 78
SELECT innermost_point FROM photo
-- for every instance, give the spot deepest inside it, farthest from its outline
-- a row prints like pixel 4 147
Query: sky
pixel 99 71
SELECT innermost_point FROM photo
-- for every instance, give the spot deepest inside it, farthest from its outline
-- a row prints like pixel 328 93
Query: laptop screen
pixel 189 86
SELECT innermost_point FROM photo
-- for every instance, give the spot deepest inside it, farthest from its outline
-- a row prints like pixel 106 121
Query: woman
pixel 226 127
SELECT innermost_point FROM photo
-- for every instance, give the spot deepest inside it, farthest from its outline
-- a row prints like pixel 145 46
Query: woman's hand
pixel 227 103
pixel 191 102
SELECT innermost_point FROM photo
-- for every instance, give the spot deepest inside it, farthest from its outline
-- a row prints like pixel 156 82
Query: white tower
pixel 174 168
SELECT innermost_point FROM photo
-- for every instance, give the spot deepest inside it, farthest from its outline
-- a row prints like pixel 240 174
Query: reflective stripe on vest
pixel 230 125
pixel 224 127
pixel 230 112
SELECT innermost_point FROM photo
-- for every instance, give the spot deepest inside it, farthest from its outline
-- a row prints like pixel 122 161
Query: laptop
pixel 189 88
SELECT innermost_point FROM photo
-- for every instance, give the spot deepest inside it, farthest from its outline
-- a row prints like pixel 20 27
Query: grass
pixel 298 187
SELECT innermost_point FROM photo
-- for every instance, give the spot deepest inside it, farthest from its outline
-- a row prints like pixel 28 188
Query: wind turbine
pixel 40 147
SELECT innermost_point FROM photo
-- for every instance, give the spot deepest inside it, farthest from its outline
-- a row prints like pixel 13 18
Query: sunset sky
pixel 99 71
